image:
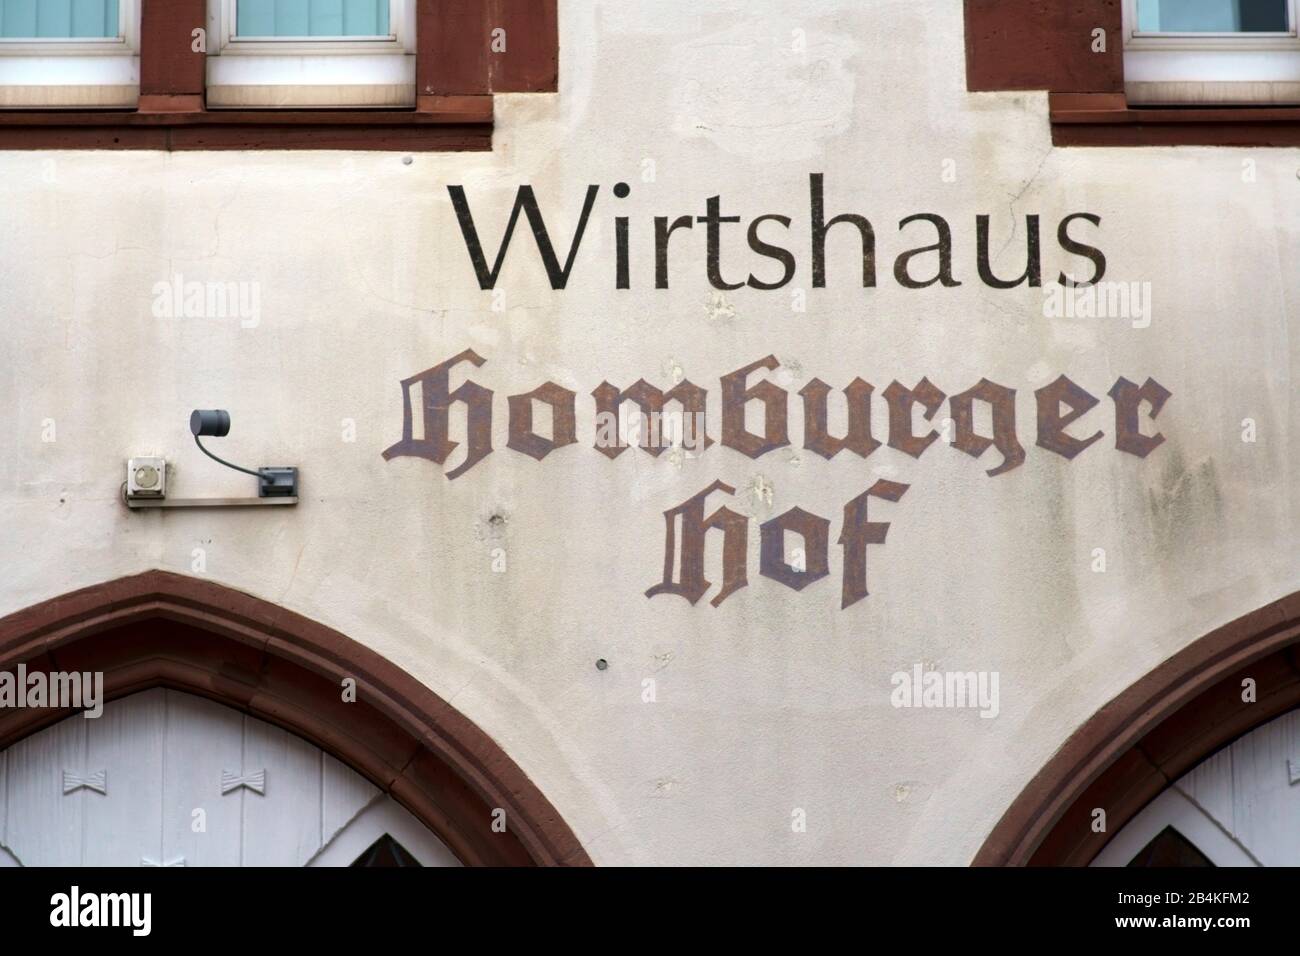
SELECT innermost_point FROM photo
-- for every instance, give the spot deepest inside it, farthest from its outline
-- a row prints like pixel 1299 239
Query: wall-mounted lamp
pixel 146 478
pixel 271 482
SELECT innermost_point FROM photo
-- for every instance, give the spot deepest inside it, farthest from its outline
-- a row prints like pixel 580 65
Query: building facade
pixel 737 433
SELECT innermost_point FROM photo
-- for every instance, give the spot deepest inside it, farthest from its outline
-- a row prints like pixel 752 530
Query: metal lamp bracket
pixel 275 485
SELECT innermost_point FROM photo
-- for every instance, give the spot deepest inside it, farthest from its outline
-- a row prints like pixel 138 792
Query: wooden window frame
pixel 1048 45
pixel 456 75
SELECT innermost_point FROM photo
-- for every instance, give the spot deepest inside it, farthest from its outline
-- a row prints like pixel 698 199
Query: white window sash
pixel 1135 39
pixel 74 73
pixel 221 24
pixel 311 72
pixel 126 43
pixel 1211 68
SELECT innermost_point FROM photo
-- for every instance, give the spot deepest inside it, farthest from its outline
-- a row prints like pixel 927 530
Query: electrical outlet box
pixel 277 482
pixel 146 478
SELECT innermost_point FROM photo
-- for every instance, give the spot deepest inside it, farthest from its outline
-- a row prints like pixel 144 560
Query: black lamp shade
pixel 210 421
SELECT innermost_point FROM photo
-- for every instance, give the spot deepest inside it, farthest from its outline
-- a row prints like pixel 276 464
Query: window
pixel 1221 17
pixel 1214 52
pixel 1124 72
pixel 267 74
pixel 58 19
pixel 303 18
pixel 311 54
pixel 69 54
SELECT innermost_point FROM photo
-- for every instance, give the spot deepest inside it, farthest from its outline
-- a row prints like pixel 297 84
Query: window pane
pixel 55 19
pixel 312 18
pixel 1212 16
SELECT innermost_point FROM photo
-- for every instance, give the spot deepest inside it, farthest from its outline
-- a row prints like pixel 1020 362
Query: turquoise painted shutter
pixel 312 18
pixel 52 19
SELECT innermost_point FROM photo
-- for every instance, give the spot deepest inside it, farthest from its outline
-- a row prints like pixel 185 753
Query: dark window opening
pixel 1170 848
pixel 386 852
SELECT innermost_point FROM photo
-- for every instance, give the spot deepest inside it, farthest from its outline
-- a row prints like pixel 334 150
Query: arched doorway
pixel 165 778
pixel 1238 807
pixel 163 630
pixel 1233 680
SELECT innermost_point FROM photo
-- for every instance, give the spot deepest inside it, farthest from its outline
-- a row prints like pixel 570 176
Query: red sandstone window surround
pixel 1053 46
pixel 457 70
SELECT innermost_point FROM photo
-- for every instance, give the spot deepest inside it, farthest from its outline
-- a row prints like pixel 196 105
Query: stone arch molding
pixel 1218 689
pixel 159 629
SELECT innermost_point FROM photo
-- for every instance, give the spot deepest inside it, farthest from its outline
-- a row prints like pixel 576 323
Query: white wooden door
pixel 1240 807
pixel 164 778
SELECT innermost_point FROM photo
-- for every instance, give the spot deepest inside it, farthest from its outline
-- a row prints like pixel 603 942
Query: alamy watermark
pixel 655 429
pixel 1100 300
pixel 58 689
pixel 178 299
pixel 946 689
pixel 75 908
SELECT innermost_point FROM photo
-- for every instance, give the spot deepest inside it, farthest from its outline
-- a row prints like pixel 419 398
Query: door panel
pixel 1239 807
pixel 201 740
pixel 118 832
pixel 44 823
pixel 164 778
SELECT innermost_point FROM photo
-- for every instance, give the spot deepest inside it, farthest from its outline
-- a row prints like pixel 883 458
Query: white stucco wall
pixel 776 700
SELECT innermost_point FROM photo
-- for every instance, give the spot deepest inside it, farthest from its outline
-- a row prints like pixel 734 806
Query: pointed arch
pixel 160 629
pixel 1138 744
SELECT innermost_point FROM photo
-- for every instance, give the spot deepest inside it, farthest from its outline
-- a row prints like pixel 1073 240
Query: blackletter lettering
pixel 1128 400
pixel 1002 401
pixel 857 438
pixel 815 532
pixel 1052 424
pixel 564 428
pixel 735 544
pixel 857 533
pixel 734 399
pixel 900 401
pixel 436 402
